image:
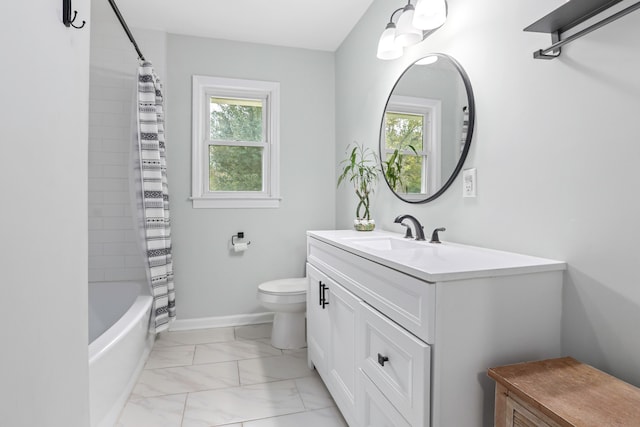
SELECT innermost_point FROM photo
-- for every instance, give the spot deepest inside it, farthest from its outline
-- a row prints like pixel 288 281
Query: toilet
pixel 287 298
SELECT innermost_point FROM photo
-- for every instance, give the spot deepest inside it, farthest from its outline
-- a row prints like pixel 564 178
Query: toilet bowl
pixel 287 298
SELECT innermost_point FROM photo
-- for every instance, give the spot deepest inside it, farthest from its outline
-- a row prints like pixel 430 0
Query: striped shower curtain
pixel 154 197
pixel 465 127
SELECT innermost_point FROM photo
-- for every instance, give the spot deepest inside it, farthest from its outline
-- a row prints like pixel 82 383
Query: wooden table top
pixel 572 393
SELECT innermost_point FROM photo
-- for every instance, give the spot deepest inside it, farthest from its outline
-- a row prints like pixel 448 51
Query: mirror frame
pixel 472 113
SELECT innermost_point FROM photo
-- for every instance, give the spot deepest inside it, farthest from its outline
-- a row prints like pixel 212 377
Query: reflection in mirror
pixel 426 128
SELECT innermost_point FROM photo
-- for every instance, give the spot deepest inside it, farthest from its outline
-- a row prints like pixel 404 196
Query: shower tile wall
pixel 114 251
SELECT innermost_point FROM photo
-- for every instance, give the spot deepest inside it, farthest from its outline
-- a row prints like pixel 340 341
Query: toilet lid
pixel 284 286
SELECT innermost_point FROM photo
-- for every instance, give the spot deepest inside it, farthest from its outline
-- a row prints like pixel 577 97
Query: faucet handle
pixel 407 234
pixel 434 236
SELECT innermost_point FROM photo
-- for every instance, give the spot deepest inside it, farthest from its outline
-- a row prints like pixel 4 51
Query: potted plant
pixel 361 169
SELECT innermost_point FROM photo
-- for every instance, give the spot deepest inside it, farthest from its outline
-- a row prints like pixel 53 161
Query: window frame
pixel 203 89
pixel 431 110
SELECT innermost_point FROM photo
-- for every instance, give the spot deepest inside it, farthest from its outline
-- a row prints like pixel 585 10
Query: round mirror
pixel 426 128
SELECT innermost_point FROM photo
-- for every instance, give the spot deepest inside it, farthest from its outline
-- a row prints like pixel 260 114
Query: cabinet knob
pixel 382 359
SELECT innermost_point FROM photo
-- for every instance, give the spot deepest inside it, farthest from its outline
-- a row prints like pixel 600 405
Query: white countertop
pixel 437 262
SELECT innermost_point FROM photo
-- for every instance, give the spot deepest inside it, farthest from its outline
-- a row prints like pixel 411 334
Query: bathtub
pixel 119 344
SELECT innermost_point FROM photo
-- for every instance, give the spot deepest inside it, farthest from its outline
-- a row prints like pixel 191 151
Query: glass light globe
pixel 430 14
pixel 406 33
pixel 387 47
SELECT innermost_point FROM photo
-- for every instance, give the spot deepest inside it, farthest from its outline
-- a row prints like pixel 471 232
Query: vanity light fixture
pixel 414 23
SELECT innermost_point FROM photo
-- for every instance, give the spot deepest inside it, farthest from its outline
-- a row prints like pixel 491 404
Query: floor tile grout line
pixel 184 409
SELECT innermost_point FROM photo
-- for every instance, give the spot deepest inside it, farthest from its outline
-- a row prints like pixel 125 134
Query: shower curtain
pixel 153 196
pixel 465 127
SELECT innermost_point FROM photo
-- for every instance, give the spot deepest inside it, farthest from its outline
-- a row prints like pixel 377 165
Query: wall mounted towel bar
pixel 568 16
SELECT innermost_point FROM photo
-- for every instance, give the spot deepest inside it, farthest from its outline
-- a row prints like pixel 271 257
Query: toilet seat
pixel 288 287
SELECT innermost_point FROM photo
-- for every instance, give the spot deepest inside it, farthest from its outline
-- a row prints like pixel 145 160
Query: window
pixel 412 127
pixel 235 143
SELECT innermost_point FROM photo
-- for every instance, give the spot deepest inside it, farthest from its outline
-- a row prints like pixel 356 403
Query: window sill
pixel 235 203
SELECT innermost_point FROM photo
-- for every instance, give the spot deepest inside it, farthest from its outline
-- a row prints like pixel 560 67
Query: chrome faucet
pixel 416 226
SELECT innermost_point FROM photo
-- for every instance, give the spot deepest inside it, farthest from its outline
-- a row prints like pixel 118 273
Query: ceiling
pixel 310 24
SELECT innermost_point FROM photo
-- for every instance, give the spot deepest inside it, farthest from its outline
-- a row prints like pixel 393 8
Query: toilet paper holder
pixel 240 235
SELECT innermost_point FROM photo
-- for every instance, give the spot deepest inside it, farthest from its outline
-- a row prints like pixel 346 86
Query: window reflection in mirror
pixel 426 129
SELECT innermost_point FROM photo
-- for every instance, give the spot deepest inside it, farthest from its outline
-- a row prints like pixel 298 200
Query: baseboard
pixel 222 321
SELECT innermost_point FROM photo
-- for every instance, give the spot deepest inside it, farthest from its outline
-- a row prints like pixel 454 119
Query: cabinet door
pixel 377 410
pixel 317 321
pixel 344 310
pixel 397 363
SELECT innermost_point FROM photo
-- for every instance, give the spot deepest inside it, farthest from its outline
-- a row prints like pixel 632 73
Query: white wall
pixel 43 220
pixel 115 252
pixel 555 148
pixel 210 280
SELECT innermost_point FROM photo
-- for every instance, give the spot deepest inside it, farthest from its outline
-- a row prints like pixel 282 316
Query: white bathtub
pixel 119 344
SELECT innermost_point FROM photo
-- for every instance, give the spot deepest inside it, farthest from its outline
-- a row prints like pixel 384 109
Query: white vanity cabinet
pixel 404 337
pixel 332 320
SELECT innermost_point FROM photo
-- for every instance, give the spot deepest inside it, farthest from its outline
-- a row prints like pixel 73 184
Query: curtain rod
pixel 126 28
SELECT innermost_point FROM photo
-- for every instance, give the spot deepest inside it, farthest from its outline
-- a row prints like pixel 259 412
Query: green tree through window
pixel 402 131
pixel 236 165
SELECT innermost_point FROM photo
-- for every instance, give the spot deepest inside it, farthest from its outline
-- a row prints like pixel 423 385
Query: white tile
pixel 115 197
pixel 134 261
pixel 117 223
pixel 115 144
pixel 96 275
pixel 95 223
pixel 329 417
pixel 164 411
pixel 105 211
pixel 252 332
pixel 133 274
pixel 170 356
pixel 314 393
pixel 115 171
pixel 107 158
pixel 275 368
pixel 103 106
pixel 233 350
pixel 120 248
pixel 105 236
pixel 158 382
pixel 106 261
pixel 108 132
pixel 238 404
pixel 108 184
pixel 95 198
pixel 197 336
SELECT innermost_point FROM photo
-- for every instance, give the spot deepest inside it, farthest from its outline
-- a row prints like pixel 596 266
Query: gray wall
pixel 555 148
pixel 43 221
pixel 210 280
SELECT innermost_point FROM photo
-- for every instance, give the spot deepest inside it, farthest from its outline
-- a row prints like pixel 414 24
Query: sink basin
pixel 386 243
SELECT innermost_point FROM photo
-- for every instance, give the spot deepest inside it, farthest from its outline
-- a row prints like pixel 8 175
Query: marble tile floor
pixel 228 377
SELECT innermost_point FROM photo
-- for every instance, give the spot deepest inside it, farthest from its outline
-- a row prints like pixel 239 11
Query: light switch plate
pixel 469 183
